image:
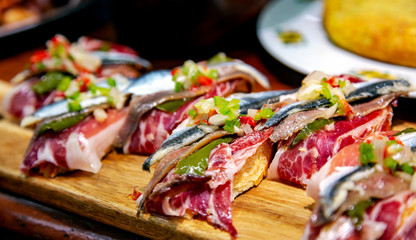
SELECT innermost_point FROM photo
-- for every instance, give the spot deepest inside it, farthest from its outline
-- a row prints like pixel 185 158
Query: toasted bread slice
pixel 254 170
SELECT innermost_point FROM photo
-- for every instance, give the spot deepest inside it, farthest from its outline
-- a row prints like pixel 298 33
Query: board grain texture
pixel 272 210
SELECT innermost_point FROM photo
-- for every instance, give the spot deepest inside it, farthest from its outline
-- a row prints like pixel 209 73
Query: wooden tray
pixel 271 210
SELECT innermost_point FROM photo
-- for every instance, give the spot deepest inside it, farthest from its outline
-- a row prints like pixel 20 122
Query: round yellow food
pixel 384 30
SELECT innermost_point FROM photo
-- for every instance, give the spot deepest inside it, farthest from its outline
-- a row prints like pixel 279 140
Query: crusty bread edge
pixel 254 169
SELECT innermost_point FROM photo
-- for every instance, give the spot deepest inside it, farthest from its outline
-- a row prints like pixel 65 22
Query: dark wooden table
pixel 22 218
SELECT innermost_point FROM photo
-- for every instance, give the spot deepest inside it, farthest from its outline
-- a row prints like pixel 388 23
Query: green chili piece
pixel 229 125
pixel 310 129
pixel 407 168
pixel 179 86
pixel 192 113
pixel 61 124
pixel 356 213
pixel 390 163
pixel 264 113
pixel 111 82
pixel 74 106
pixel 212 73
pixel 64 84
pixel 219 58
pixel 367 155
pixel 92 88
pixel 172 106
pixel 197 162
pixel 103 91
pixel 49 82
pixel 407 130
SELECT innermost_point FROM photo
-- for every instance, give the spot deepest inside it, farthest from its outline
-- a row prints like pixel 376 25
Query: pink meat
pixel 209 196
pixel 298 163
pixel 398 214
pixel 392 218
pixel 22 101
pixel 157 125
pixel 78 147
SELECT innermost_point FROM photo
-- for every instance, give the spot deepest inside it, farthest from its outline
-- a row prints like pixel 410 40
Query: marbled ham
pixel 22 101
pixel 157 125
pixel 78 147
pixel 392 218
pixel 298 163
pixel 208 196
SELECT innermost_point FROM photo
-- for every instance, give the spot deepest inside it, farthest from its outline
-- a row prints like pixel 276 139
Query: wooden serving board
pixel 273 210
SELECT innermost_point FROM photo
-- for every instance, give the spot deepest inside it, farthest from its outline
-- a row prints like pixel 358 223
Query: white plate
pixel 315 52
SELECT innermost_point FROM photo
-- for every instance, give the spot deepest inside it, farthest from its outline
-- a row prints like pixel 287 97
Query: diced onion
pixel 100 115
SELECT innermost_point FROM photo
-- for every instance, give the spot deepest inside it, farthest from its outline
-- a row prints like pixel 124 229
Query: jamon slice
pixel 298 163
pixel 232 168
pixel 79 147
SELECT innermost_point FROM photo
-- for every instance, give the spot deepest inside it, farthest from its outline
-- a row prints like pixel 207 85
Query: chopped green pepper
pixel 179 86
pixel 172 106
pixel 111 82
pixel 407 168
pixel 74 106
pixel 197 162
pixel 264 113
pixel 310 129
pixel 50 82
pixel 356 213
pixel 64 84
pixel 407 130
pixel 367 154
pixel 229 125
pixel 390 163
pixel 219 58
pixel 61 124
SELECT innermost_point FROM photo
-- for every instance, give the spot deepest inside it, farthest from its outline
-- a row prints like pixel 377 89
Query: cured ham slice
pixel 298 163
pixel 79 147
pixel 157 125
pixel 45 80
pixel 367 194
pixel 390 218
pixel 208 196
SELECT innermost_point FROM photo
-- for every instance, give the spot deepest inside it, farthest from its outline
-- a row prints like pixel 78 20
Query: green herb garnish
pixel 356 213
pixel 111 82
pixel 390 163
pixel 219 58
pixel 229 125
pixel 50 81
pixel 405 167
pixel 367 155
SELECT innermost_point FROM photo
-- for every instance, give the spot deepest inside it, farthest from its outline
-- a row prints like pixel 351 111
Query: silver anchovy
pixel 148 83
pixel 179 139
pixel 246 68
pixel 336 192
pixel 374 89
pixel 365 91
pixel 294 108
pixel 189 135
pixel 408 139
pixel 152 82
pixel 258 99
pixel 108 58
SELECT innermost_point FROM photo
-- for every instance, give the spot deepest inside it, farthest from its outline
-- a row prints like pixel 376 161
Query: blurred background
pixel 165 32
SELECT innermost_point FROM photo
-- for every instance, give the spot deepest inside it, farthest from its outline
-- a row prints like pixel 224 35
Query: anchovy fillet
pixel 294 108
pixel 258 99
pixel 178 140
